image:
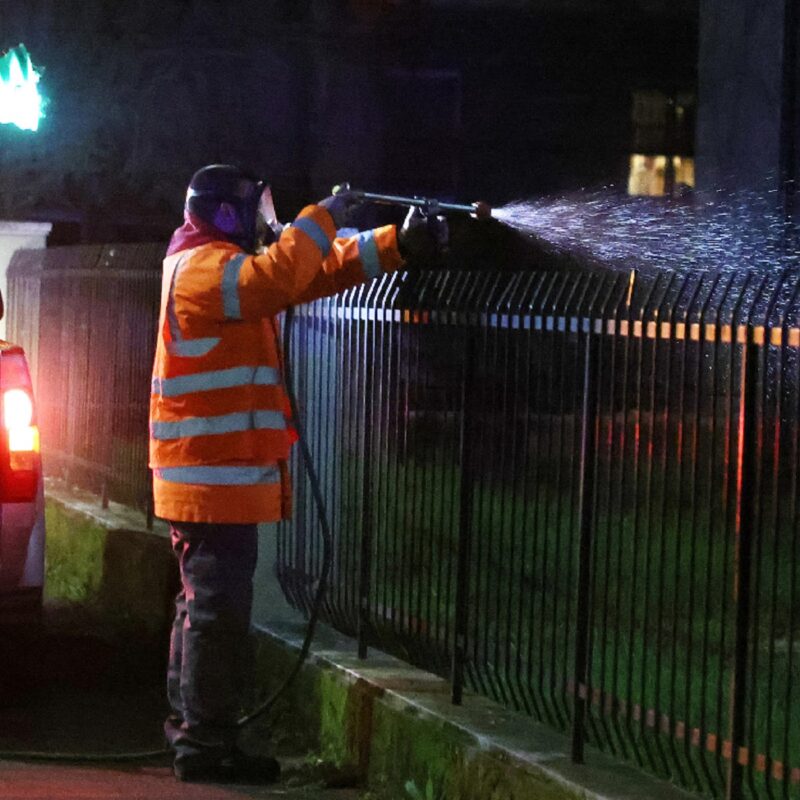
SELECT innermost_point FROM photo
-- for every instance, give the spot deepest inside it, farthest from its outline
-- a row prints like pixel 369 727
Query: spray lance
pixel 430 207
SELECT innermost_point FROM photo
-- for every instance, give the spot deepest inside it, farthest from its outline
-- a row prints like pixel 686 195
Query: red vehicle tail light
pixel 19 463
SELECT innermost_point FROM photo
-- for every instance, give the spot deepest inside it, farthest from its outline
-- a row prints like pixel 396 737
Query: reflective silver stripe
pixel 230 287
pixel 216 379
pixel 212 426
pixel 368 253
pixel 220 476
pixel 193 347
pixel 172 318
pixel 310 228
pixel 180 346
pixel 269 419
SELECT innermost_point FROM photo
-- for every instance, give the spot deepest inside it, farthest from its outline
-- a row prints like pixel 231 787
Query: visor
pixel 268 229
pixel 266 207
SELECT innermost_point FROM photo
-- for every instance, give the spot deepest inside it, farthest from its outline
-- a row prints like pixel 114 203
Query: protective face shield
pixel 236 203
pixel 268 229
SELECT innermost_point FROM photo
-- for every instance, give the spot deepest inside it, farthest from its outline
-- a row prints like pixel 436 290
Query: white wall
pixel 14 236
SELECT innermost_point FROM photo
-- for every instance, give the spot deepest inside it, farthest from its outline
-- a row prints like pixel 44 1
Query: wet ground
pixel 76 693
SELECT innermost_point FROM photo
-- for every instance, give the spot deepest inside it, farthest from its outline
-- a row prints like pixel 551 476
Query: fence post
pixel 748 460
pixel 586 492
pixel 148 502
pixel 464 521
pixel 367 520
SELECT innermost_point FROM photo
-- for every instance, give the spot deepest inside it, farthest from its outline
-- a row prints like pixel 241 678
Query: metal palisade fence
pixel 87 318
pixel 575 493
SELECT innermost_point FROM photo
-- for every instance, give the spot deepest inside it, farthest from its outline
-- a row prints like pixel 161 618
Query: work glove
pixel 422 239
pixel 339 206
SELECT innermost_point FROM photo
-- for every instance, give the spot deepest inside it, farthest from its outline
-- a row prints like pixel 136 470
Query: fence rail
pixel 576 494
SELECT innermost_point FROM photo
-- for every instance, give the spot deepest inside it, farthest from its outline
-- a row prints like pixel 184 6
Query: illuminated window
pixel 648 175
pixel 663 124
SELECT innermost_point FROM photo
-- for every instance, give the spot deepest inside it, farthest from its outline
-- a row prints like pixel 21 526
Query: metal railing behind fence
pixel 87 318
pixel 576 494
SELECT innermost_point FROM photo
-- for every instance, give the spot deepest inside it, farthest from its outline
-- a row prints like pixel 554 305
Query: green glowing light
pixel 20 101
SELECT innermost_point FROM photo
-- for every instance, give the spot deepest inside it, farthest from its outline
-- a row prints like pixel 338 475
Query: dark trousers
pixel 210 658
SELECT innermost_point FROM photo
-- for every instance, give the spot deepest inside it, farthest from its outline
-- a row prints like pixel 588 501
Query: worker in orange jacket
pixel 219 433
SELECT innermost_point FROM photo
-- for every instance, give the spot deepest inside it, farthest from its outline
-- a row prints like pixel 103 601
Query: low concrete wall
pixel 386 723
pixel 395 726
pixel 109 564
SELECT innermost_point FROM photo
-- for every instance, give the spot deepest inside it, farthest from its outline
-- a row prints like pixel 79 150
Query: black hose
pixel 327 539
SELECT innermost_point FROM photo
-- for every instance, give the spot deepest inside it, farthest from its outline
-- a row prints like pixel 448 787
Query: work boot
pixel 203 770
pixel 255 769
pixel 238 768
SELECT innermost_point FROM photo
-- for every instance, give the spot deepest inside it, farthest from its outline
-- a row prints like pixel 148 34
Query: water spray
pixel 429 206
pixel 707 231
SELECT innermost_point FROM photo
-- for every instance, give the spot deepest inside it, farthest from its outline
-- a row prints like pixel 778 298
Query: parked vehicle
pixel 22 529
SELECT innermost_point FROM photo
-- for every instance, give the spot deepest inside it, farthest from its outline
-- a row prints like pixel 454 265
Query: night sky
pixel 456 100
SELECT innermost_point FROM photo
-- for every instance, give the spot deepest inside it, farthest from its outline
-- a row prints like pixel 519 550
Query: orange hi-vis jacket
pixel 219 437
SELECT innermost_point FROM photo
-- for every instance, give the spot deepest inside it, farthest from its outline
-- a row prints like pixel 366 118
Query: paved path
pixel 45 782
pixel 88 697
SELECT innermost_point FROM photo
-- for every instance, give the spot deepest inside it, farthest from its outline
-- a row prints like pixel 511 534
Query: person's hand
pixel 422 238
pixel 339 206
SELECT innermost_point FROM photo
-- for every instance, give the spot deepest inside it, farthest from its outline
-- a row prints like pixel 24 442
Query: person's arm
pixel 306 263
pixel 272 281
pixel 353 260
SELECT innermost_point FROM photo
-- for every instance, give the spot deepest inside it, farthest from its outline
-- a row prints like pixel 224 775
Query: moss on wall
pixel 335 731
pixel 74 555
pixel 489 775
pixel 126 578
pixel 421 750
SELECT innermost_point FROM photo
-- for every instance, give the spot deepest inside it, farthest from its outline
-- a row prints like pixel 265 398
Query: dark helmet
pixel 217 184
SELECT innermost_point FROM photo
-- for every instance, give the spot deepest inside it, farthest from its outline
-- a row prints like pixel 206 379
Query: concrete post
pixel 15 236
pixel 746 114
